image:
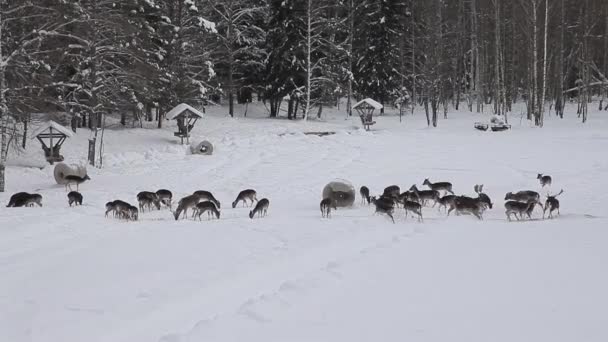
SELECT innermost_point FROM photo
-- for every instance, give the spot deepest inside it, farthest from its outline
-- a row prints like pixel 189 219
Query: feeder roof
pixel 369 102
pixel 52 124
pixel 182 108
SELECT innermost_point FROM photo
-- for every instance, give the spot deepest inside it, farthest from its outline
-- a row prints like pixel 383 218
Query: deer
pixel 122 209
pixel 248 194
pixel 261 208
pixel 147 199
pixel 552 204
pixel 392 191
pixel 445 201
pixel 409 196
pixel 74 197
pixel 468 205
pixel 165 196
pixel 73 179
pixel 326 205
pixel 522 196
pixel 24 199
pixel 485 199
pixel 209 207
pixel 426 195
pixel 445 186
pixel 414 207
pixel 188 202
pixel 384 205
pixel 544 179
pixel 207 196
pixel 364 191
pixel 521 208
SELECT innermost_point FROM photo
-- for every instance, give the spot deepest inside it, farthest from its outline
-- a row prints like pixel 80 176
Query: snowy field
pixel 72 275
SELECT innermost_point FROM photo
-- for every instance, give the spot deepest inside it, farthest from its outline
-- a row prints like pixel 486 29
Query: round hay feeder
pixel 62 170
pixel 204 147
pixel 341 191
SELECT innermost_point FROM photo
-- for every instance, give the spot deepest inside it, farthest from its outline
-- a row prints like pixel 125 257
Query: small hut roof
pixel 370 102
pixel 55 126
pixel 181 108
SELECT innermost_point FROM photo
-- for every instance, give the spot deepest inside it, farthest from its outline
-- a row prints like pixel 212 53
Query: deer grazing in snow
pixel 165 197
pixel 147 199
pixel 188 202
pixel 208 207
pixel 207 196
pixel 261 208
pixel 248 194
pixel 74 197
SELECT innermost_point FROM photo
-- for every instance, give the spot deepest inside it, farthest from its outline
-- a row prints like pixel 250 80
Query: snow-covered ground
pixel 70 274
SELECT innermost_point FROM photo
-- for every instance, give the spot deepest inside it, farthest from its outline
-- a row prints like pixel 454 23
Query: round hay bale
pixel 62 170
pixel 341 191
pixel 204 147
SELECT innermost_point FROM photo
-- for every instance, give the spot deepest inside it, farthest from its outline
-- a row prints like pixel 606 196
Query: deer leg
pixel 391 216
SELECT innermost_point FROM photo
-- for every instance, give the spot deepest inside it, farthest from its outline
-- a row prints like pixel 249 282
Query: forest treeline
pixel 140 58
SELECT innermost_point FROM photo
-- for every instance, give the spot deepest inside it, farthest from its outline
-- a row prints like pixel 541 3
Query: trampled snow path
pixel 69 274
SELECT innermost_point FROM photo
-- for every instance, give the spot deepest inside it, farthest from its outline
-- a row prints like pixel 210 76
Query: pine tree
pixel 285 68
pixel 240 36
pixel 378 29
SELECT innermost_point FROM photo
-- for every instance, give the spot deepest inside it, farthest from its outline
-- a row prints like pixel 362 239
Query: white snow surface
pixel 72 275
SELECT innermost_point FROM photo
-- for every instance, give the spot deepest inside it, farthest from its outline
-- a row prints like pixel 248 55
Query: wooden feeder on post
pixel 366 109
pixel 186 117
pixel 52 135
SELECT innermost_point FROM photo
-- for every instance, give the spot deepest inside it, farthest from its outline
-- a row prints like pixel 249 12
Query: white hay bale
pixel 204 147
pixel 62 170
pixel 341 191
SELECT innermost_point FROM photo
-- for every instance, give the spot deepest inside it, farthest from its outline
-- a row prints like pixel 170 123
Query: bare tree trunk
pixel 25 129
pixel 413 21
pixel 426 110
pixel 498 102
pixel 351 25
pixel 3 116
pixel 535 63
pixel 586 76
pixel 308 62
pixel 544 90
pixel 605 87
pixel 475 43
pixel 560 101
pixel 230 68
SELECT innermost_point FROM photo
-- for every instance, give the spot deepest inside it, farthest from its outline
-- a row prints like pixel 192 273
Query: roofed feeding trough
pixel 51 136
pixel 186 117
pixel 366 108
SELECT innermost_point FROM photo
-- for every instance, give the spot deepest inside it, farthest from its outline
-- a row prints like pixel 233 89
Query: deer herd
pixel 519 204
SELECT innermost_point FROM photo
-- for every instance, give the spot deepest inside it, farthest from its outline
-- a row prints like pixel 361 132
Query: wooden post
pixel 52 146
